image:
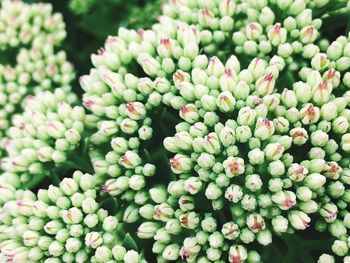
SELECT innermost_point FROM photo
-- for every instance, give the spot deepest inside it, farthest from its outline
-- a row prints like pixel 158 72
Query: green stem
pixel 54 177
pixel 171 117
pixel 318 244
pixel 34 181
pixel 348 27
pixel 297 247
pixel 82 164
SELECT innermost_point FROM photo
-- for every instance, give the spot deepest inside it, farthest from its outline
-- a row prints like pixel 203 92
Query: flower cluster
pixel 225 125
pixel 43 135
pixel 36 70
pixel 33 32
pixel 22 24
pixel 64 223
pixel 266 157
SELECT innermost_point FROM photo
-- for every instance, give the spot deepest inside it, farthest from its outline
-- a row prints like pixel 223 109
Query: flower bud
pixel 135 110
pixel 180 164
pixel 158 194
pixel 274 151
pixel 69 186
pixel 225 101
pixel 255 222
pixel 265 84
pixel 233 166
pixel 284 199
pixel 308 34
pixel 280 224
pixel 243 134
pixel 345 142
pixel 299 220
pixel 332 170
pixel 314 181
pixel 340 125
pixel 127 125
pixel 253 182
pixel 241 90
pixel 189 220
pixel 228 80
pixel 264 237
pixel 325 258
pixel 147 230
pixel 237 254
pixel 264 128
pixel 171 252
pixel 309 114
pixel 213 191
pixel 162 212
pixel 56 249
pixel 130 160
pixel 189 113
pixel 116 186
pixel 277 35
pixel 253 31
pixel 340 248
pixel 234 193
pixel 190 249
pixel 132 256
pixel 246 116
pixel 150 65
pixel 215 67
pixel 302 91
pixel 103 254
pixel 297 172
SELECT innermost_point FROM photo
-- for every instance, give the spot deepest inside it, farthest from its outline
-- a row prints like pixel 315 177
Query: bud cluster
pixel 37 69
pixel 264 156
pixel 43 135
pixel 31 32
pixel 22 24
pixel 261 112
pixel 64 223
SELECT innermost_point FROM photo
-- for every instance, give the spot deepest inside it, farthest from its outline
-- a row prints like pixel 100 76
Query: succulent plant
pixel 222 128
pixel 30 63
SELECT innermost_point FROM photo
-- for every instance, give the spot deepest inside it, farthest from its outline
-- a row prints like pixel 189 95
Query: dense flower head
pixel 29 35
pixel 63 223
pixel 266 156
pixel 42 136
pixel 22 24
pixel 224 126
pixel 37 69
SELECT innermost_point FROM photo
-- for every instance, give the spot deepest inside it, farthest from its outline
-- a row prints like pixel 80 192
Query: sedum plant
pixel 42 136
pixel 29 63
pixel 61 224
pixel 219 131
pixel 21 24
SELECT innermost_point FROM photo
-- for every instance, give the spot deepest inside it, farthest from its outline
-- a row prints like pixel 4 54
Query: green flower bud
pixel 255 223
pixel 340 248
pixel 253 182
pixel 171 252
pixel 132 256
pixel 280 224
pixel 299 220
pixel 147 230
pixel 337 229
pixel 237 253
pixel 325 258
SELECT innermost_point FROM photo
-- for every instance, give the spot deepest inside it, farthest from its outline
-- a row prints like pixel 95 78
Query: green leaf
pixel 129 242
